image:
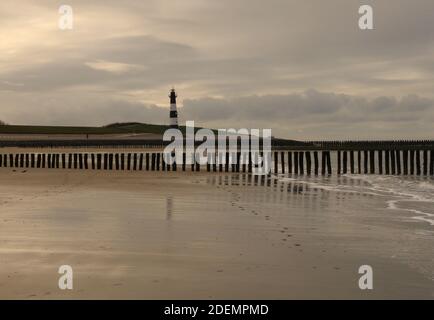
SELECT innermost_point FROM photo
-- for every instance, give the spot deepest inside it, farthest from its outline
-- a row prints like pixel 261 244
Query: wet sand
pixel 151 235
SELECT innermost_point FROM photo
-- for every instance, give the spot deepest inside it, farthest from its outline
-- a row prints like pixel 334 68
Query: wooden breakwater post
pixel 380 161
pixel 86 161
pixel 301 162
pixel 316 162
pixel 339 169
pixel 122 161
pixel 392 161
pixel 98 161
pixel 418 169
pixel 398 162
pixel 184 160
pixel 387 161
pixel 135 161
pixel 129 162
pixel 405 161
pixel 141 162
pixel 345 162
pixel 80 160
pixel 296 158
pixel 276 163
pixel 289 162
pixel 431 170
pixel 412 162
pixel 329 163
pixel 352 162
pixel 147 162
pixel 282 161
pixel 153 162
pixel 365 161
pixel 49 161
pixel 372 161
pixel 39 161
pixel 117 161
pixel 359 161
pixel 425 162
pixel 308 162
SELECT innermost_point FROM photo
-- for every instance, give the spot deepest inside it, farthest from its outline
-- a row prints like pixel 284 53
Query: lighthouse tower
pixel 173 111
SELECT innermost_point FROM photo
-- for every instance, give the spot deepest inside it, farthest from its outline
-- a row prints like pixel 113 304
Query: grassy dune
pixel 109 129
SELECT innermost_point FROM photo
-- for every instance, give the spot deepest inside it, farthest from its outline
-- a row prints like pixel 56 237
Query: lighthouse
pixel 173 111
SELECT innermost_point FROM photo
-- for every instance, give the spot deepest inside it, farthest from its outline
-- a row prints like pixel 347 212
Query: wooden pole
pixel 365 161
pixel 359 162
pixel 141 162
pixel 352 162
pixel 98 161
pixel 296 162
pixel 425 162
pixel 372 161
pixel 393 161
pixel 345 164
pixel 290 162
pixel 92 158
pixel 380 161
pixel 398 162
pixel 276 162
pixel 122 161
pixel 412 162
pixel 300 162
pixel 135 162
pixel 323 162
pixel 147 161
pixel 86 162
pixel 329 163
pixel 418 171
pixel 129 161
pixel 117 161
pixel 153 162
pixel 339 170
pixel 431 170
pixel 405 159
pixel 316 163
pixel 308 162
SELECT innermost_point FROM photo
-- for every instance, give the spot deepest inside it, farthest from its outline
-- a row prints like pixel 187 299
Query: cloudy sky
pixel 300 67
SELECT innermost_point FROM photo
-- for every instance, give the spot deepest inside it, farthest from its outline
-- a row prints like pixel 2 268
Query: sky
pixel 302 68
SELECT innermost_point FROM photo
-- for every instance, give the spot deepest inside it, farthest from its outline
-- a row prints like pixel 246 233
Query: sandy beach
pixel 152 235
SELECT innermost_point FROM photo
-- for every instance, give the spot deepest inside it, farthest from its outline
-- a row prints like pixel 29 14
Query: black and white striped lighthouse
pixel 173 111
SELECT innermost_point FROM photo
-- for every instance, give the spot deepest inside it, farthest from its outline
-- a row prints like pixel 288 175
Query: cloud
pixel 114 67
pixel 318 115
